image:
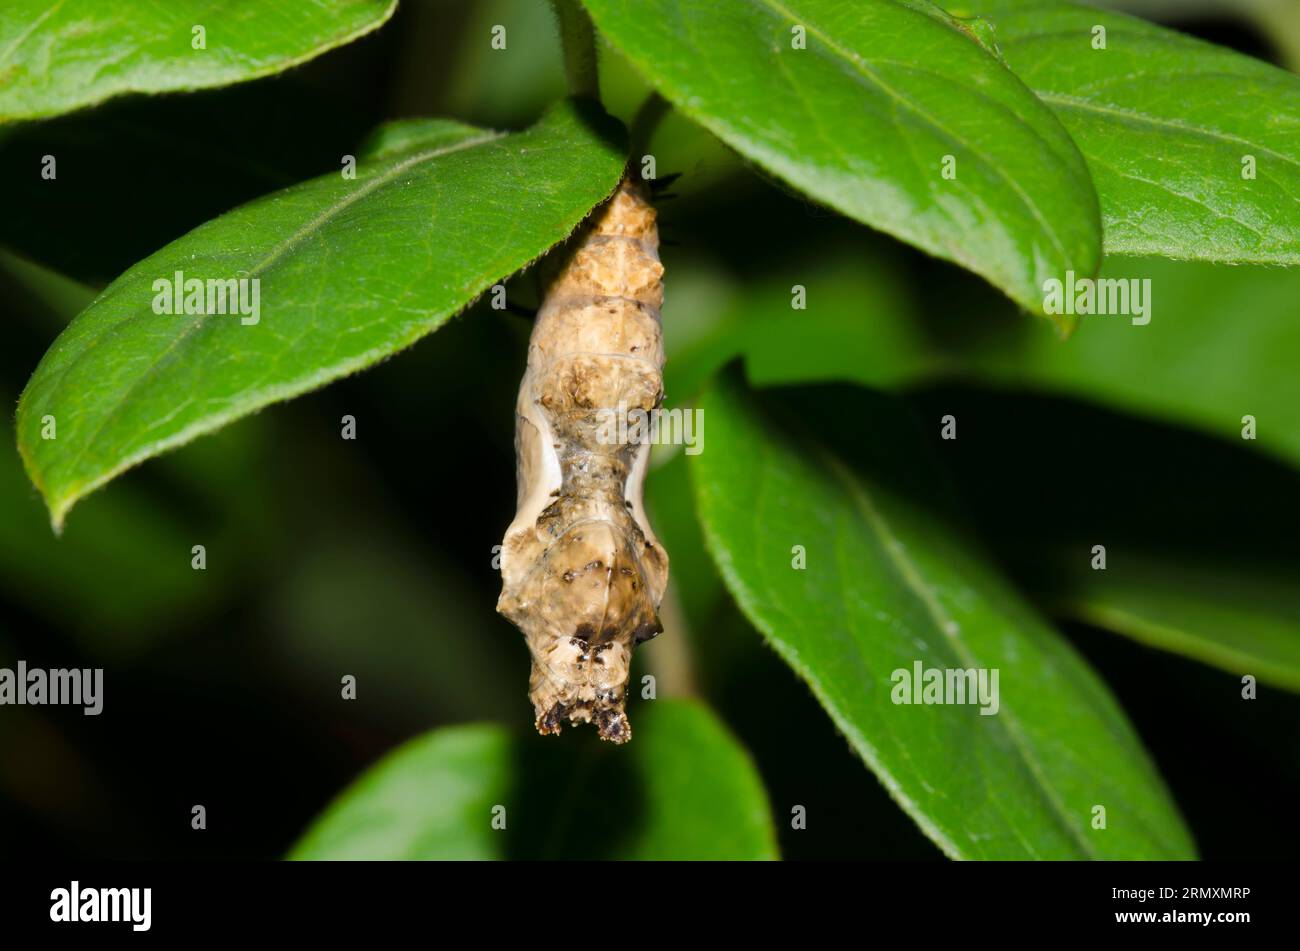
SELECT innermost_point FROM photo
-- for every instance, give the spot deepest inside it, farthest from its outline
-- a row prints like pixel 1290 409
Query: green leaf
pixel 1242 619
pixel 59 297
pixel 1165 122
pixel 361 598
pixel 859 325
pixel 59 56
pixel 350 272
pixel 862 119
pixel 890 582
pixel 683 789
pixel 493 88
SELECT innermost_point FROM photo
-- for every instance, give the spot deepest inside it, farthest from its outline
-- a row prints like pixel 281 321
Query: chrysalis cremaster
pixel 583 573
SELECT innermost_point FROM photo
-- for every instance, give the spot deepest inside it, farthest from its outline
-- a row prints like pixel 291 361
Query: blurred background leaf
pixel 1268 29
pixel 415 627
pixel 1219 347
pixel 686 791
pixel 1246 621
pixel 859 325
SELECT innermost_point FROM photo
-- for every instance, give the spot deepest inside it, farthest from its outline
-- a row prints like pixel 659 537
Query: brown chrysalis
pixel 582 571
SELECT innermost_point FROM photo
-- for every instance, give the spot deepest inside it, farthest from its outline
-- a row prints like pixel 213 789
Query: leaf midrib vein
pixel 911 576
pixel 1066 101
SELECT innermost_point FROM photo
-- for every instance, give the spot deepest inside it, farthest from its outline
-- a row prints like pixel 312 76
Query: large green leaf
pixel 862 119
pixel 1165 122
pixel 59 56
pixel 890 582
pixel 683 789
pixel 350 272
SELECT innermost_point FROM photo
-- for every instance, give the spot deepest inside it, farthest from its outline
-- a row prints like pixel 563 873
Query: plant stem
pixel 672 661
pixel 647 119
pixel 579 39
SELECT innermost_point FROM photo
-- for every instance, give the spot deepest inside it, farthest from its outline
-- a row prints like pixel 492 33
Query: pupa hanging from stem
pixel 582 571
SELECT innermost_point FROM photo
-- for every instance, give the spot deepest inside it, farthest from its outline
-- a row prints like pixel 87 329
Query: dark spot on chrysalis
pixel 612 726
pixel 646 630
pixel 550 723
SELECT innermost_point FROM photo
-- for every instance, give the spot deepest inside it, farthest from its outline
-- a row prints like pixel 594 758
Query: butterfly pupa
pixel 582 571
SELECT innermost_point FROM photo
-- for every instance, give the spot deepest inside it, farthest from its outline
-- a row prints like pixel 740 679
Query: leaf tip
pixel 59 514
pixel 1064 324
